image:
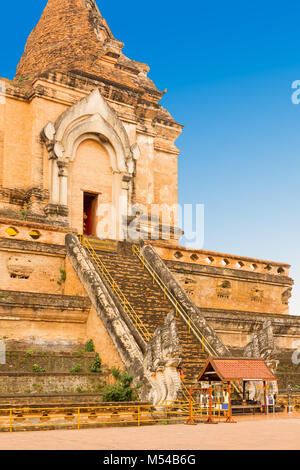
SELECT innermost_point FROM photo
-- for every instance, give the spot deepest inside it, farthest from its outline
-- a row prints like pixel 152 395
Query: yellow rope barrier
pixel 40 418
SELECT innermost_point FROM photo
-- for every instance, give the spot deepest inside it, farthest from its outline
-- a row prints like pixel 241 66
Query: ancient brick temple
pixel 82 130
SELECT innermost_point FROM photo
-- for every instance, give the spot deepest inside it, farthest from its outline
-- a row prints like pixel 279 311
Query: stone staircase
pixel 149 302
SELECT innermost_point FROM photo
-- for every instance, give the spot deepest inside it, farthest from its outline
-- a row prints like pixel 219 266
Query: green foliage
pixel 89 346
pixel 122 390
pixel 23 79
pixel 115 371
pixel 80 390
pixel 23 213
pixel 79 353
pixel 37 368
pixel 63 277
pixel 96 367
pixel 29 353
pixel 76 368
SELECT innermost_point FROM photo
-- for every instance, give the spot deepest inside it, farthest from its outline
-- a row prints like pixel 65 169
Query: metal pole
pixel 244 393
pixel 265 397
pixel 210 416
pixel 290 406
pixel 229 418
pixel 191 419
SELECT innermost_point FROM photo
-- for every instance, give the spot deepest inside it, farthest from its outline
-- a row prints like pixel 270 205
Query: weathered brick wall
pixel 14 384
pixel 53 362
pixel 96 330
pixel 227 282
pixel 156 171
pixel 236 327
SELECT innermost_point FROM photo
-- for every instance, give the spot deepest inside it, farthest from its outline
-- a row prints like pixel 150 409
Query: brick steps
pixel 53 362
pixel 18 383
pixel 149 303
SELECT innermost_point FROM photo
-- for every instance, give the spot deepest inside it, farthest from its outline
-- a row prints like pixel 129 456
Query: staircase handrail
pixel 179 309
pixel 141 327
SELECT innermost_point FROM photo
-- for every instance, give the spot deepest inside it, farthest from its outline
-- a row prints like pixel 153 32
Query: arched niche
pixel 90 189
pixel 90 119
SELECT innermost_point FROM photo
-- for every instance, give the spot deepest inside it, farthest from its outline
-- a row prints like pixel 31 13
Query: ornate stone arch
pixel 89 118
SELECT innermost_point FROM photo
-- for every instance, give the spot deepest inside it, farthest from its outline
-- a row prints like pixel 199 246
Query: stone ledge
pixel 35 300
pixel 38 225
pixel 189 268
pixel 32 247
pixel 52 374
pixel 231 321
pixel 20 383
pixel 55 315
pixel 242 314
pixel 50 354
pixel 159 244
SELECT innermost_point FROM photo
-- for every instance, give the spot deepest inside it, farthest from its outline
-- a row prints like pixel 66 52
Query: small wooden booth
pixel 230 371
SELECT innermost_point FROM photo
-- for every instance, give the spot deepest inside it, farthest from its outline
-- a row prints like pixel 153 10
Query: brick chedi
pixel 70 54
pixel 73 36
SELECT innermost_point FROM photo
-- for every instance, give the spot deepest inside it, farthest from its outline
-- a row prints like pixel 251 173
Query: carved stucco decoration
pixel 262 346
pixel 286 295
pixel 256 294
pixel 189 285
pixel 90 118
pixel 19 267
pixel 161 361
pixel 224 290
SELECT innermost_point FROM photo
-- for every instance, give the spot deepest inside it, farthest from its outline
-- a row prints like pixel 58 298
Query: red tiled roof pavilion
pixel 235 369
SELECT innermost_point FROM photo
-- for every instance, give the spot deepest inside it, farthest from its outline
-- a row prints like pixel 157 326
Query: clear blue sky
pixel 228 67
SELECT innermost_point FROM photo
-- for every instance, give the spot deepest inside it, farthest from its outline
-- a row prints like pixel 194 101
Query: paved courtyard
pixel 249 433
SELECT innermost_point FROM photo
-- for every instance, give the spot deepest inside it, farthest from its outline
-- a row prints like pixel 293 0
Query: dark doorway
pixel 89 213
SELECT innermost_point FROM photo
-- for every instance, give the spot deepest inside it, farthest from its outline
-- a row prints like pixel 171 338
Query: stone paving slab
pixel 249 433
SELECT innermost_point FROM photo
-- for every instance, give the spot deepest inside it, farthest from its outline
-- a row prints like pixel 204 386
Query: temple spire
pixel 71 35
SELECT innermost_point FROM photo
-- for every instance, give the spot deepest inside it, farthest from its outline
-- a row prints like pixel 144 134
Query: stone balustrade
pixel 220 260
